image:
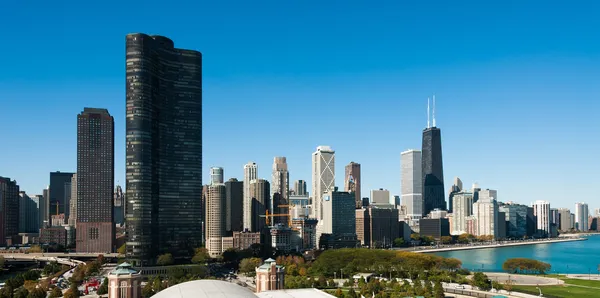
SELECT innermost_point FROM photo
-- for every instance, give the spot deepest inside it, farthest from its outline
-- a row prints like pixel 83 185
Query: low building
pixel 270 276
pixel 307 227
pixel 434 227
pixel 53 236
pixel 243 240
pixel 124 282
pixel 281 238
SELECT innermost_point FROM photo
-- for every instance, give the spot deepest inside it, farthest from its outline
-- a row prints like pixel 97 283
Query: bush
pixel 523 265
pixel 165 260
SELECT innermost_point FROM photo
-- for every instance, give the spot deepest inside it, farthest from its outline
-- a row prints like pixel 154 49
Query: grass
pixel 559 291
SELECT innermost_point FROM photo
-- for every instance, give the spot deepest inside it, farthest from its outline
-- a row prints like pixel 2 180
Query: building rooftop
pixel 124 269
pixel 205 289
pixel 295 293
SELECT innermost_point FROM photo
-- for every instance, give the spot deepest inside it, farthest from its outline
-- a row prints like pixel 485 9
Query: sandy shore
pixel 454 248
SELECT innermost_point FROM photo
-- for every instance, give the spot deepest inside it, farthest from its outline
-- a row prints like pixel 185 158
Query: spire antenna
pixel 434 110
pixel 428 112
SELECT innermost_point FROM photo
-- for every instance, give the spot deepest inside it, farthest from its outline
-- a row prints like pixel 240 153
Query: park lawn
pixel 582 282
pixel 559 291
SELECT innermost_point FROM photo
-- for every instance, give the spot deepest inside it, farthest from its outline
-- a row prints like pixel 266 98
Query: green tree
pixel 398 242
pixel 72 292
pixel 123 249
pixel 428 287
pixel 36 249
pixel 37 293
pixel 2 261
pixel 338 293
pixel 481 281
pixel 157 285
pixel 200 256
pixel 148 291
pixel 248 266
pixel 351 294
pixel 103 289
pixel 446 239
pixel 438 290
pixel 21 293
pixel 165 260
pixel 230 255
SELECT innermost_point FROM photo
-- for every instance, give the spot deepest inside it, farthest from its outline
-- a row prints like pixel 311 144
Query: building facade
pixel 323 177
pixel 377 227
pixel 432 168
pixel 380 197
pixel 259 193
pixel 270 277
pixel 280 182
pixel 516 219
pixel 434 227
pixel 28 213
pixel 412 185
pixel 541 211
pixel 463 208
pixel 485 211
pixel 352 182
pixel 564 215
pixel 124 282
pixel 250 174
pixel 216 175
pixel 581 217
pixel 60 193
pixel 164 148
pixel 72 221
pixel 455 188
pixel 95 181
pixel 300 188
pixel 119 206
pixel 9 211
pixel 243 240
pixel 339 220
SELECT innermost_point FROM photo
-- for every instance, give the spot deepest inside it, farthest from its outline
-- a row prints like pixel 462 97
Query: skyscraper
pixel 234 195
pixel 215 218
pixel 352 182
pixel 164 148
pixel 119 206
pixel 486 212
pixel 456 187
pixel 73 203
pixel 412 186
pixel 581 217
pixel 28 213
pixel 300 188
pixel 259 194
pixel 216 175
pixel 280 184
pixel 432 167
pixel 60 193
pixel 250 173
pixel 9 211
pixel 463 208
pixel 95 180
pixel 541 211
pixel 323 177
pixel 380 197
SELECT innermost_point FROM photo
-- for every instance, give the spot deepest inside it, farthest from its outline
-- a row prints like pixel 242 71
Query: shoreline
pixel 445 249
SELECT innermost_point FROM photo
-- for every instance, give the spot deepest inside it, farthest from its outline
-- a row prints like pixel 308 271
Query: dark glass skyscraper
pixel 95 180
pixel 9 211
pixel 164 148
pixel 432 168
pixel 60 193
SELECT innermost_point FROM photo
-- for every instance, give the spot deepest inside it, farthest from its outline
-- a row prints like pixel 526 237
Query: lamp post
pixel 540 291
pixel 342 273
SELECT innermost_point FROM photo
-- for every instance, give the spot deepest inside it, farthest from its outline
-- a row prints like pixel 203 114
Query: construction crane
pixel 268 216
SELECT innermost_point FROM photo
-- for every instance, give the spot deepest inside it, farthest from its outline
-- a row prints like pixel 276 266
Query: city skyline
pixel 389 92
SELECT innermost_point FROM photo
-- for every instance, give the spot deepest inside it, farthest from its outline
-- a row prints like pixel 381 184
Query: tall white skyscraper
pixel 541 210
pixel 323 177
pixel 412 184
pixel 485 211
pixel 280 180
pixel 215 218
pixel 216 175
pixel 463 208
pixel 581 217
pixel 250 173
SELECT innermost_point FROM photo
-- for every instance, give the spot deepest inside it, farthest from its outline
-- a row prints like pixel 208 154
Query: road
pixel 523 280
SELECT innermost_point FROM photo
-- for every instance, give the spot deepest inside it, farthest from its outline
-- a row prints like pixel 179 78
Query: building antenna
pixel 427 112
pixel 434 110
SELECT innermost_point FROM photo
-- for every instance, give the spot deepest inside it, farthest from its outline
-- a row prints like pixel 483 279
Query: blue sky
pixel 517 86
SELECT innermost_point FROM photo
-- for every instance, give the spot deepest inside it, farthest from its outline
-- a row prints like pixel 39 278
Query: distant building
pixel 53 236
pixel 215 219
pixel 380 197
pixel 60 193
pixel 119 206
pixel 352 181
pixel 437 213
pixel 564 215
pixel 95 181
pixel 323 177
pixel 516 218
pixel 339 220
pixel 436 228
pixel 234 197
pixel 243 240
pixel 307 228
pixel 377 227
pixel 432 168
pixel 412 185
pixel 463 207
pixel 72 220
pixel 9 212
pixel 581 217
pixel 250 174
pixel 299 200
pixel 28 214
pixel 281 238
pixel 502 225
pixel 300 188
pixel 280 184
pixel 259 193
pixel 485 211
pixel 541 210
pixel 58 220
pixel 270 276
pixel 216 175
pixel 455 188
pixel 124 282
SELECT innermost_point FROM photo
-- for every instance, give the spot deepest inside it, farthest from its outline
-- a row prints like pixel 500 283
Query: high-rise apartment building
pixel 515 216
pixel 234 197
pixel 352 182
pixel 541 211
pixel 485 211
pixel 456 187
pixel 60 193
pixel 380 197
pixel 215 218
pixel 28 213
pixel 300 188
pixel 412 185
pixel 259 194
pixel 323 177
pixel 250 174
pixel 164 148
pixel 463 208
pixel 72 220
pixel 280 184
pixel 95 180
pixel 216 175
pixel 581 217
pixel 41 203
pixel 432 167
pixel 337 229
pixel 564 215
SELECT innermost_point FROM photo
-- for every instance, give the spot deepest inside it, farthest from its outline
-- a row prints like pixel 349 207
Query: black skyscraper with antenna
pixel 432 167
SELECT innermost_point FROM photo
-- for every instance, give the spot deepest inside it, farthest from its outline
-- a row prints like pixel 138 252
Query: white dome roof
pixel 205 288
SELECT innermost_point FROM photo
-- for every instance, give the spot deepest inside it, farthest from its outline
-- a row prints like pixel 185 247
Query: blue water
pixel 577 257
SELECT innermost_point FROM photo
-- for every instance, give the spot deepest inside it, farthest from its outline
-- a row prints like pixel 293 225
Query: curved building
pixel 164 148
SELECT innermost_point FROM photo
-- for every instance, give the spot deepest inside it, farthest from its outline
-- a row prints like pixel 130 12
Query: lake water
pixel 581 257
